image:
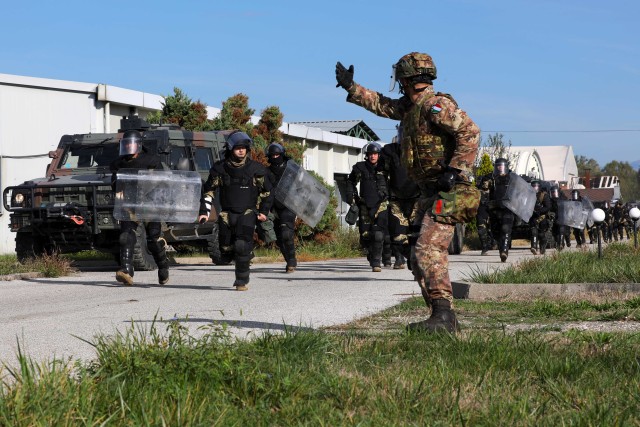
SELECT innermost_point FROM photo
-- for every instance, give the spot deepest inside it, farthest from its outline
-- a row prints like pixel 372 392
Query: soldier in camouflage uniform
pixel 403 194
pixel 439 145
pixel 539 221
pixel 492 212
pixel 245 197
pixel 371 202
pixel 619 221
pixel 578 234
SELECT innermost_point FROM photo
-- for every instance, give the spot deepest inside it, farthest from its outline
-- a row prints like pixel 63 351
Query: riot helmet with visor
pixel 500 167
pixel 130 143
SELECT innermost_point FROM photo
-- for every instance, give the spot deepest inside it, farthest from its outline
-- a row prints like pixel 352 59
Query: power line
pixel 546 131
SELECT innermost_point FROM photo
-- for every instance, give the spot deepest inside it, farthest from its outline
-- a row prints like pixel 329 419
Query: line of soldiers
pixel 243 187
pixel 495 221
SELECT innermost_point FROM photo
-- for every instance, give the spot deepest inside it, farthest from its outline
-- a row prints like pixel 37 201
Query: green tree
pixel 179 109
pixel 629 184
pixel 496 147
pixel 485 165
pixel 235 114
pixel 584 162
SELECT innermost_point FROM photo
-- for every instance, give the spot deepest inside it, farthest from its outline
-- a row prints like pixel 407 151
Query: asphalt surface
pixel 55 317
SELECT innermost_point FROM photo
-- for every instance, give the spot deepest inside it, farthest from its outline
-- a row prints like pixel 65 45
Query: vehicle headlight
pixel 18 200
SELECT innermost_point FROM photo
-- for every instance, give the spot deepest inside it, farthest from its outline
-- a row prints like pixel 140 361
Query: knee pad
pixel 378 236
pixel 287 232
pixel 242 248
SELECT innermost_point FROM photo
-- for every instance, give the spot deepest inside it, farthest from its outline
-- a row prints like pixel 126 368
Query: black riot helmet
pixel 535 183
pixel 555 192
pixel 276 153
pixel 500 167
pixel 575 195
pixel 130 143
pixel 275 148
pixel 239 139
pixel 372 148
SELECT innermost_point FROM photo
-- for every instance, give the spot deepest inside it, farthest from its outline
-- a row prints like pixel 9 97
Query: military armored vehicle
pixel 71 208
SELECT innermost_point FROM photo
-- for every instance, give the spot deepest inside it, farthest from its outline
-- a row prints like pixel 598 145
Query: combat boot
pixel 504 248
pixel 158 249
pixel 534 245
pixel 125 274
pixel 485 240
pixel 543 246
pixel 442 319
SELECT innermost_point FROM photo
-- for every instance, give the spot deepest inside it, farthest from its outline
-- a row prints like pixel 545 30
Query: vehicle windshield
pixel 88 156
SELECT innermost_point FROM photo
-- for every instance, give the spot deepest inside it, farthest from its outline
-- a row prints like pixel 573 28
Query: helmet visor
pixel 129 146
pixel 392 83
pixel 500 169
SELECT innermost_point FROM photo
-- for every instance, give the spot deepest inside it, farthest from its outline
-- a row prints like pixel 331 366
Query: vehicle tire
pixel 142 258
pixel 27 247
pixel 213 247
pixel 457 241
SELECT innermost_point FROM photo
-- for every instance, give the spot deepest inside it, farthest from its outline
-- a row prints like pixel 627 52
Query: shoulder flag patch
pixel 436 108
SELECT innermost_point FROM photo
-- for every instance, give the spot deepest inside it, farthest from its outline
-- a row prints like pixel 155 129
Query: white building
pixel 36 112
pixel 555 163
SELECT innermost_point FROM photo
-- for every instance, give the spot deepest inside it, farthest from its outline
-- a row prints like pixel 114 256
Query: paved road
pixel 48 315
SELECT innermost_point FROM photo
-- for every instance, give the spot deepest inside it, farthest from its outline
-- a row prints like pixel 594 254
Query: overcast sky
pixel 540 72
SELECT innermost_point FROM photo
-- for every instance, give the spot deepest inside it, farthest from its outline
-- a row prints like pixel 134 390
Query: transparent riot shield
pixel 571 214
pixel 299 191
pixel 587 207
pixel 151 195
pixel 520 197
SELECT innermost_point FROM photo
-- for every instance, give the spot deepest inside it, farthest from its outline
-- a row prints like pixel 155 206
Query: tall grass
pixel 314 378
pixel 620 263
pixel 54 265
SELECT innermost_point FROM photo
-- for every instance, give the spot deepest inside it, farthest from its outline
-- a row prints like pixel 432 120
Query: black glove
pixel 447 180
pixel 344 76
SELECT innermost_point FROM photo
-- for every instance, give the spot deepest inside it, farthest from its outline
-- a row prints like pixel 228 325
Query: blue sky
pixel 540 72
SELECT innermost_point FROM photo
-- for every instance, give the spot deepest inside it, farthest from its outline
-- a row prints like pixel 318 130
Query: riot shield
pixel 587 207
pixel 520 197
pixel 151 195
pixel 571 214
pixel 299 191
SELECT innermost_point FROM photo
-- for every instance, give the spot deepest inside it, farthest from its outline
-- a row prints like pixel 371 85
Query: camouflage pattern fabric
pixel 430 265
pixel 436 134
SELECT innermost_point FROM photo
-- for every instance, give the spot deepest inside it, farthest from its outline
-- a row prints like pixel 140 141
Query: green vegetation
pixel 356 375
pixel 48 265
pixel 620 263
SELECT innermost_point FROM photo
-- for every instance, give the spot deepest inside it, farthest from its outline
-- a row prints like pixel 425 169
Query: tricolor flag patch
pixel 436 108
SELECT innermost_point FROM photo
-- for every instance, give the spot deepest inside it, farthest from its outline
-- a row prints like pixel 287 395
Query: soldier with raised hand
pixel 439 146
pixel 134 156
pixel 371 201
pixel 244 197
pixel 284 221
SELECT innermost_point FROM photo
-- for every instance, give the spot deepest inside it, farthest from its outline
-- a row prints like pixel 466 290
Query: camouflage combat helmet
pixel 415 66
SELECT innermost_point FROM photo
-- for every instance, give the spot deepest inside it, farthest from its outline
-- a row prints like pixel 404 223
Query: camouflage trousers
pixel 430 259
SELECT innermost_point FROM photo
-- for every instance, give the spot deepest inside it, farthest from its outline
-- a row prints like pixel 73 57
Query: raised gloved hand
pixel 447 180
pixel 344 76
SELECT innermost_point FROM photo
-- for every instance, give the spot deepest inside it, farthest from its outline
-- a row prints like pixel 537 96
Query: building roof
pixel 556 161
pixel 355 128
pixel 594 194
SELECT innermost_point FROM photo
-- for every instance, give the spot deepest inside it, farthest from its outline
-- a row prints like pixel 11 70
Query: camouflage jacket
pixel 439 116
